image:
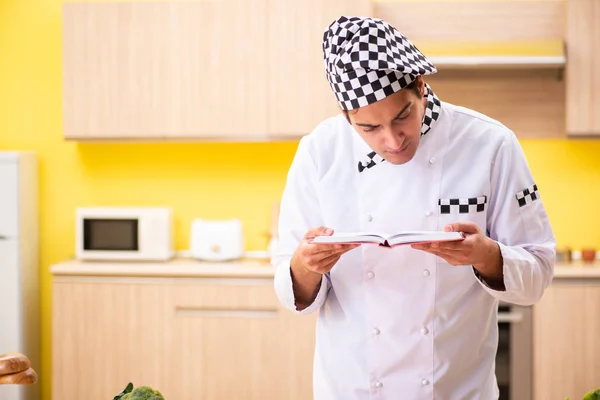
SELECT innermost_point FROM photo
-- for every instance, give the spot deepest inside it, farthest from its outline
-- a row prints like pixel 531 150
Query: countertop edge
pixel 176 268
pixel 244 268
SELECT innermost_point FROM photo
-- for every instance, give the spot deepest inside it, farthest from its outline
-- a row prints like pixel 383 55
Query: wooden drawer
pixel 230 338
pixel 251 298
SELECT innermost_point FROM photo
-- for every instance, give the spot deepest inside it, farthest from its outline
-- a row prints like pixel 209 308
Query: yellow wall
pixel 198 180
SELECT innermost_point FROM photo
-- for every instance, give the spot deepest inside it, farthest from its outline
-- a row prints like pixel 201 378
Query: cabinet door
pixel 566 346
pixel 231 340
pixel 10 297
pixel 583 67
pixel 9 173
pixel 299 95
pixel 165 70
pixel 106 334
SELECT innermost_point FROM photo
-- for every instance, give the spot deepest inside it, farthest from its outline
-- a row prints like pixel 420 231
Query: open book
pixel 398 239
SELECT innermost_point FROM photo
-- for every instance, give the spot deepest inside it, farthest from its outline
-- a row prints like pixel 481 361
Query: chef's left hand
pixel 476 249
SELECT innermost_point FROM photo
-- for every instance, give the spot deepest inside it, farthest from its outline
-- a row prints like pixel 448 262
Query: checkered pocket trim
pixel 528 195
pixel 462 206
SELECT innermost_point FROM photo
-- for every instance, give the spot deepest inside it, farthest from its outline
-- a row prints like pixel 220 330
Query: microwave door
pixel 113 234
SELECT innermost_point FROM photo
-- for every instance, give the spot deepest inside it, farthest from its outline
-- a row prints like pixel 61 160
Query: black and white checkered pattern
pixel 462 206
pixel 432 112
pixel 528 195
pixel 370 161
pixel 367 59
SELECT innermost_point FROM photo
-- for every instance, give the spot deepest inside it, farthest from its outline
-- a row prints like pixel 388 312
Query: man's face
pixel 392 126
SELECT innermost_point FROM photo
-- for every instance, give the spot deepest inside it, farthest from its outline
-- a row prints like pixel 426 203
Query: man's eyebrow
pixel 404 109
pixel 397 116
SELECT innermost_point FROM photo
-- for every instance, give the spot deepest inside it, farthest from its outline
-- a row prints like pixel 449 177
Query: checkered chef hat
pixel 367 59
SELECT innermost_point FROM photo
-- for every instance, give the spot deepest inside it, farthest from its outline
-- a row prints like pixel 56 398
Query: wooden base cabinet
pixel 239 344
pixel 567 340
pixel 191 338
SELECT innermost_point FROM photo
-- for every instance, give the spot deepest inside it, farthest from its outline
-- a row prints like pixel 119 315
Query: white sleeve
pixel 518 222
pixel 299 212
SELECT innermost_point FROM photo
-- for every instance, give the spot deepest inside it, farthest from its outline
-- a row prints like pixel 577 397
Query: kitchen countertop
pixel 176 268
pixel 245 268
pixel 577 269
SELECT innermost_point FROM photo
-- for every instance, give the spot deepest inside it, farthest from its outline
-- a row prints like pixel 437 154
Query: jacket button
pixel 378 384
pixel 426 272
pixel 371 274
pixel 424 331
pixel 428 213
pixel 369 218
pixel 376 331
pixel 431 160
pixel 424 382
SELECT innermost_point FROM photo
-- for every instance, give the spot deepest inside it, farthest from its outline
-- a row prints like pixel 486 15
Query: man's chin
pixel 400 158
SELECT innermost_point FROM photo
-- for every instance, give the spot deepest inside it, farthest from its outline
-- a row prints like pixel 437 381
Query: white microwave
pixel 124 233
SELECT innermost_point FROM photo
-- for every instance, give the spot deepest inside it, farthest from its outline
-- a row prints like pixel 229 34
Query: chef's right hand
pixel 319 258
pixel 310 261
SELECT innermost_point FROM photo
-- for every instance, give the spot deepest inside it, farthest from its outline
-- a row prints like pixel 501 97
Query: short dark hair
pixel 414 87
pixel 411 86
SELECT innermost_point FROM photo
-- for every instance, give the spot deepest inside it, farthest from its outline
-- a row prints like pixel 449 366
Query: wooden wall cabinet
pixel 253 71
pixel 299 95
pixel 496 57
pixel 475 21
pixel 583 67
pixel 566 347
pixel 202 335
pixel 161 70
pixel 214 69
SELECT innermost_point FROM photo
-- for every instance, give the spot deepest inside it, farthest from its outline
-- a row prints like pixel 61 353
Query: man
pixel 410 322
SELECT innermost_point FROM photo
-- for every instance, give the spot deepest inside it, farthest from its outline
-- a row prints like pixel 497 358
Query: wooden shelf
pixel 539 54
pixel 482 34
pixel 445 62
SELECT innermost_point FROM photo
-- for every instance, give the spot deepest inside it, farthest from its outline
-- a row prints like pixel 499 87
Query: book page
pixel 426 237
pixel 351 237
pixel 414 233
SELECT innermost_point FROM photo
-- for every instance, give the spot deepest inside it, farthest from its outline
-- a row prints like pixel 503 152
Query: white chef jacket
pixel 401 323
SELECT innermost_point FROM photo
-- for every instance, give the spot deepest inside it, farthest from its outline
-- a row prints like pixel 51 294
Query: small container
pixel 588 255
pixel 564 255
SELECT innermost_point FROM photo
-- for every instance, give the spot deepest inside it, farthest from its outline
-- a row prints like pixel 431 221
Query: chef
pixel 409 322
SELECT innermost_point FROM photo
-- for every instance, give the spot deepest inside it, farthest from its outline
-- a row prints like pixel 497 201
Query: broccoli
pixel 591 395
pixel 139 393
pixel 143 393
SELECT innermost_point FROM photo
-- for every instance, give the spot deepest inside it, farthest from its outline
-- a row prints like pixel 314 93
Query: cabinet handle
pixel 224 313
pixel 509 317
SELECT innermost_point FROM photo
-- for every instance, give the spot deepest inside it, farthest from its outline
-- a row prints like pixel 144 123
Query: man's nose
pixel 393 139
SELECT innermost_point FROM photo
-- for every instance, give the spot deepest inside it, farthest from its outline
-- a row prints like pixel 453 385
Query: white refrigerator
pixel 19 265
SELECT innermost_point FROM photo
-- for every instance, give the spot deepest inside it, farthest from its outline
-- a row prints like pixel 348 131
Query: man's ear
pixel 421 85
